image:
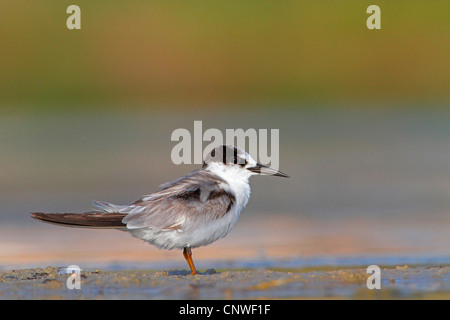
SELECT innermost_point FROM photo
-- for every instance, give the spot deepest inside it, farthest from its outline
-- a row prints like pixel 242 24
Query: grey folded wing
pixel 182 204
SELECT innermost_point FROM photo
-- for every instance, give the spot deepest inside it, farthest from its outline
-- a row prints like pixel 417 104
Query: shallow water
pixel 367 187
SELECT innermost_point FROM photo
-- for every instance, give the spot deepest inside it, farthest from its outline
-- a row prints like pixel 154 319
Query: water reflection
pixel 361 180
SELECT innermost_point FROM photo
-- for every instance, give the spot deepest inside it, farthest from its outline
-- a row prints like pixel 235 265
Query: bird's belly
pixel 195 235
pixel 207 233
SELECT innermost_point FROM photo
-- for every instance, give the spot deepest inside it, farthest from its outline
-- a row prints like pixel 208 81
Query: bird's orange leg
pixel 187 253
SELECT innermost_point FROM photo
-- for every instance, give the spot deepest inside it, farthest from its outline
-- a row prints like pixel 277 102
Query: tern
pixel 189 212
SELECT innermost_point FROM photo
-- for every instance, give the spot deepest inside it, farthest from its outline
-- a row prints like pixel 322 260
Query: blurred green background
pixel 151 54
pixel 363 117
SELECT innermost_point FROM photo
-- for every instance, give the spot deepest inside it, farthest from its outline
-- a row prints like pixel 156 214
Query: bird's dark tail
pixel 83 220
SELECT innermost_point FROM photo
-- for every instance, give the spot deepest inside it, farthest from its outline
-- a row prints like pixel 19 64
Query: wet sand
pixel 397 282
pixel 260 260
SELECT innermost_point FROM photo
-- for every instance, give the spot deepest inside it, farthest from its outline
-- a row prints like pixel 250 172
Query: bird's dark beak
pixel 263 170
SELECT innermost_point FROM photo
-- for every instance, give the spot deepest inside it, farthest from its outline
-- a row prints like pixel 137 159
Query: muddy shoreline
pixel 397 282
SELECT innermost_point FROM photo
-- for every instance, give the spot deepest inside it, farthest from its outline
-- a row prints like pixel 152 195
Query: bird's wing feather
pixel 197 197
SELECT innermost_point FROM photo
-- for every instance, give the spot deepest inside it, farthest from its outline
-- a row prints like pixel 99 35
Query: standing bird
pixel 189 212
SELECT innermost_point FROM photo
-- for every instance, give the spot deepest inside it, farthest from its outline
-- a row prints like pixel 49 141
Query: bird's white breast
pixel 236 180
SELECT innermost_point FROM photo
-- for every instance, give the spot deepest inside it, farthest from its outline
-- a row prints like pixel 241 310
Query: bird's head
pixel 231 159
